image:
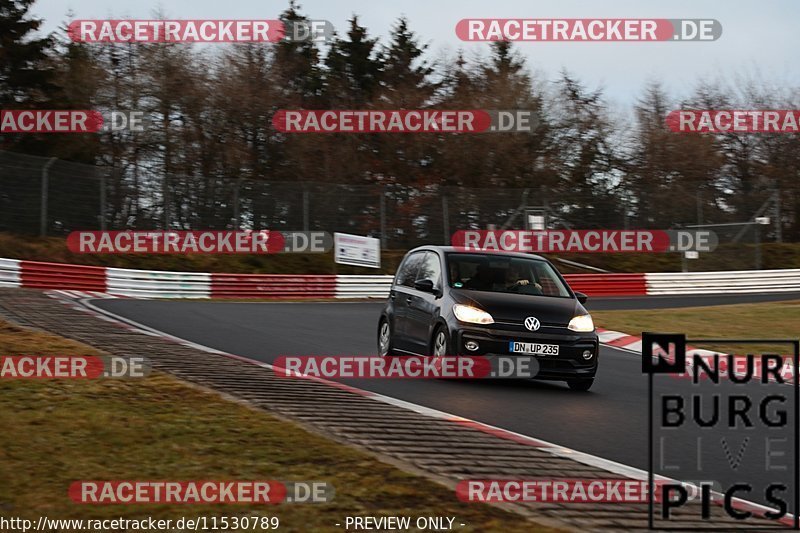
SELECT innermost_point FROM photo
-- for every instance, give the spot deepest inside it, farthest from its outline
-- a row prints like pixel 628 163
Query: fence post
pixel 383 219
pixel 165 194
pixel 699 207
pixel 236 220
pixel 757 240
pixel 305 208
pixel 778 225
pixel 445 219
pixel 102 216
pixel 43 202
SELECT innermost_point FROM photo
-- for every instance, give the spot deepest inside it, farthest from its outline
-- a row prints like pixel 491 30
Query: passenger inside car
pixel 482 280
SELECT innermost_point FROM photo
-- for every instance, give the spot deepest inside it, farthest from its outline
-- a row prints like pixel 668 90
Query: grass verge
pixel 779 320
pixel 158 428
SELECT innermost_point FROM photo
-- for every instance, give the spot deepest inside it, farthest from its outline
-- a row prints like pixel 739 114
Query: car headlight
pixel 581 323
pixel 473 315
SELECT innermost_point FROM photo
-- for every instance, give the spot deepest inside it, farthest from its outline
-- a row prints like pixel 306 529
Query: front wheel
pixel 385 339
pixel 582 385
pixel 441 343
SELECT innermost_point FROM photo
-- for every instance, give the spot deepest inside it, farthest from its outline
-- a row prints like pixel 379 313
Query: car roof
pixel 459 250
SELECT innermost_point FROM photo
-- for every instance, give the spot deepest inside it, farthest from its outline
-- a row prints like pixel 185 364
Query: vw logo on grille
pixel 532 323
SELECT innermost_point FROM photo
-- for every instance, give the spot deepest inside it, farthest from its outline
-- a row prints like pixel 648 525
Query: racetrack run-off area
pixel 610 422
pixel 449 443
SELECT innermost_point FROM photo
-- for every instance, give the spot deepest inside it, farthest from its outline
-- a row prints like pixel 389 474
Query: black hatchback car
pixel 449 302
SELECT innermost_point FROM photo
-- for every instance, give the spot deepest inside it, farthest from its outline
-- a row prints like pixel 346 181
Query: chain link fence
pixel 51 197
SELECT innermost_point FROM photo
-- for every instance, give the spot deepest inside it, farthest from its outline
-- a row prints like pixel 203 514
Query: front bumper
pixel 493 342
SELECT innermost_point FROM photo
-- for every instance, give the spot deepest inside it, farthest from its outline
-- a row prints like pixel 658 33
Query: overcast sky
pixel 760 39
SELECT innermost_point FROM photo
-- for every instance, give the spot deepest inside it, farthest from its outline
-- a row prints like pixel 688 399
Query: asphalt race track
pixel 610 421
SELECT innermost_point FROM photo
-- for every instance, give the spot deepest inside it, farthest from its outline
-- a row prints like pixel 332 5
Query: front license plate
pixel 532 348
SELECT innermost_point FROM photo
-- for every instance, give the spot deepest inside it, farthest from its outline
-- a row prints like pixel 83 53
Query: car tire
pixel 581 385
pixel 385 347
pixel 440 343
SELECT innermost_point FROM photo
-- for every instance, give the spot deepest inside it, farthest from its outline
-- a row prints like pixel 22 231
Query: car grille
pixel 520 326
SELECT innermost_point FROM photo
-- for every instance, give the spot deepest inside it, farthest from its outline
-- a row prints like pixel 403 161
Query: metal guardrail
pixel 58 275
pixel 608 284
pixel 363 286
pixel 157 284
pixel 741 281
pixel 285 286
pixel 164 284
pixel 10 273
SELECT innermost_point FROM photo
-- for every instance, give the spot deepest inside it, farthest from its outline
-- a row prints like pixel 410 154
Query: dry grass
pixel 773 320
pixel 56 432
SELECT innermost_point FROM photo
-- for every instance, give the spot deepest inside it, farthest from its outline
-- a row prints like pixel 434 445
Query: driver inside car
pixel 515 278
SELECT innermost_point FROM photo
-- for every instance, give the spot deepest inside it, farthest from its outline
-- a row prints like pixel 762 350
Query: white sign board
pixel 536 222
pixel 356 250
pixel 535 219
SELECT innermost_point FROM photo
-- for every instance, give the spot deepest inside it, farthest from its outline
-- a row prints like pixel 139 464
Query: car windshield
pixel 496 273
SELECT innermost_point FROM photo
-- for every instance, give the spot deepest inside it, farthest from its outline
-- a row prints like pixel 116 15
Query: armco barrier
pixel 158 284
pixel 272 286
pixel 59 276
pixel 591 284
pixel 741 281
pixel 608 284
pixel 10 273
pixel 162 284
pixel 363 286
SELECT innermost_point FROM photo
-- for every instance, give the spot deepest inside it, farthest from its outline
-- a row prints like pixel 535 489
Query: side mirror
pixel 424 285
pixel 581 297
